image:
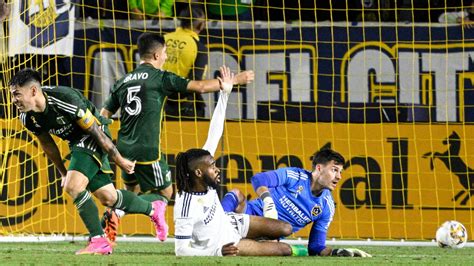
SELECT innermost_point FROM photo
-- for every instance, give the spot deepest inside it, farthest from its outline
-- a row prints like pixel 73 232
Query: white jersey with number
pixel 201 225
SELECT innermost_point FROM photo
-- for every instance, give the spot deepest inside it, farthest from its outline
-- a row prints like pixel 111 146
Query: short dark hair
pixel 184 164
pixel 325 156
pixel 148 43
pixel 24 76
pixel 191 16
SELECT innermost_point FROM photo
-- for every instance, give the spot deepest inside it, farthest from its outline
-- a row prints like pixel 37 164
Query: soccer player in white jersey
pixel 202 228
pixel 299 197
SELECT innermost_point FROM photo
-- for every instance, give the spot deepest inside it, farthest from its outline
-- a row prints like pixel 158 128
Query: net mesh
pixel 389 84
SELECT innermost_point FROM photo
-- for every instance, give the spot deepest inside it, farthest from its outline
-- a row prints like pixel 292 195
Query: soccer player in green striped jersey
pixel 66 113
pixel 140 95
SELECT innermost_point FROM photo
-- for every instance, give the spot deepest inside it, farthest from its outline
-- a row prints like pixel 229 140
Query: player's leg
pixel 261 227
pixel 81 169
pixel 111 217
pixel 155 185
pixel 234 201
pixel 249 247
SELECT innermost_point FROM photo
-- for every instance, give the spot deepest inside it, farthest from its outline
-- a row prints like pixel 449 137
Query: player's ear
pixel 317 167
pixel 198 172
pixel 34 89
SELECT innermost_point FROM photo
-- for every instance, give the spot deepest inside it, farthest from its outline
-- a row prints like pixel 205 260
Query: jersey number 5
pixel 132 97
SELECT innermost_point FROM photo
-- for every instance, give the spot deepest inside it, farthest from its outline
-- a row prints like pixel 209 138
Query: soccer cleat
pixel 158 219
pixel 97 246
pixel 111 223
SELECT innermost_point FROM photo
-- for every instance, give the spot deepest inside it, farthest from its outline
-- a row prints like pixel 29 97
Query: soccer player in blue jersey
pixel 299 197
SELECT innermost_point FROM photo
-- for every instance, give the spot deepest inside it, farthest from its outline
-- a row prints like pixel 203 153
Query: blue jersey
pixel 290 189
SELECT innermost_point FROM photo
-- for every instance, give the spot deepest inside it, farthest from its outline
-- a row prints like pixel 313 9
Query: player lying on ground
pixel 140 96
pixel 298 197
pixel 202 228
pixel 66 113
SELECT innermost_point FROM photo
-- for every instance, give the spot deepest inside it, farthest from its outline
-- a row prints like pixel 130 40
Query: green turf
pixel 62 253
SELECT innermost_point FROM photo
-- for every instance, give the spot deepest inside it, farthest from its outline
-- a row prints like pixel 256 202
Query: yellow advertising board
pixel 400 180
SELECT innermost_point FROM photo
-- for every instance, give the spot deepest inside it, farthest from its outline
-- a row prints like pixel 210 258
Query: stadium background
pixel 394 97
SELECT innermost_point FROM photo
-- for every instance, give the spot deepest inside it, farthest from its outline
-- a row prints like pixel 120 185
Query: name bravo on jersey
pixel 136 76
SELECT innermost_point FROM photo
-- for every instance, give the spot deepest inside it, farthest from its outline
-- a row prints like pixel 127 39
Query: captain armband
pixel 86 120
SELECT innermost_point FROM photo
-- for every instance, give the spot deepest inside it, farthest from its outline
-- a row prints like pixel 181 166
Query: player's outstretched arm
pixel 216 126
pixel 52 151
pixel 224 82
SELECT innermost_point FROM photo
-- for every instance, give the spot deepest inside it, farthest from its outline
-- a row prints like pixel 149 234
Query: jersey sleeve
pixel 112 103
pixel 173 83
pixel 279 177
pixel 217 124
pixel 317 237
pixel 316 241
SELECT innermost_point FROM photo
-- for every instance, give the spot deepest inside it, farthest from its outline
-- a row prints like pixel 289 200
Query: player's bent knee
pixel 107 197
pixel 72 191
pixel 287 229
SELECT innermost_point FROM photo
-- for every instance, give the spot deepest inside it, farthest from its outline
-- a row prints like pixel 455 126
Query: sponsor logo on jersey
pixel 316 210
pixel 210 216
pixel 298 215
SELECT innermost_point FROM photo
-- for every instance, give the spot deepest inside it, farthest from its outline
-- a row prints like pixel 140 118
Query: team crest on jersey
pixel 60 120
pixel 316 210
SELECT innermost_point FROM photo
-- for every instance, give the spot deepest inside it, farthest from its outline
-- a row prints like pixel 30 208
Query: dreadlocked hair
pixel 185 180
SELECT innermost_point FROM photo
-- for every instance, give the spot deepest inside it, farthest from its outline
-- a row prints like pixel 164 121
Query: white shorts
pixel 240 222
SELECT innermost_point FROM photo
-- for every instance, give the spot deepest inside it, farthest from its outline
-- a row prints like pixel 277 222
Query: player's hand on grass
pixel 350 252
pixel 226 79
pixel 230 249
pixel 244 77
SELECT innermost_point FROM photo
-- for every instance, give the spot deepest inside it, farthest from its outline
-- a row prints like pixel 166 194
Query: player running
pixel 66 113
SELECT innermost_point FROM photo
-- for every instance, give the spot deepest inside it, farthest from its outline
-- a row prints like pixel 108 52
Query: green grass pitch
pixel 62 253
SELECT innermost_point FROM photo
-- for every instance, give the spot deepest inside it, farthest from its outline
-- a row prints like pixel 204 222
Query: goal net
pixel 388 86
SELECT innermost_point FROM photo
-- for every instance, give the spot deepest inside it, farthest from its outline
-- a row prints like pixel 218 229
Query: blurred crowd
pixel 283 10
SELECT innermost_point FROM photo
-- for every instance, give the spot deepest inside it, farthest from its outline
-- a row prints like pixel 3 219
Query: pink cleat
pixel 158 218
pixel 97 246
